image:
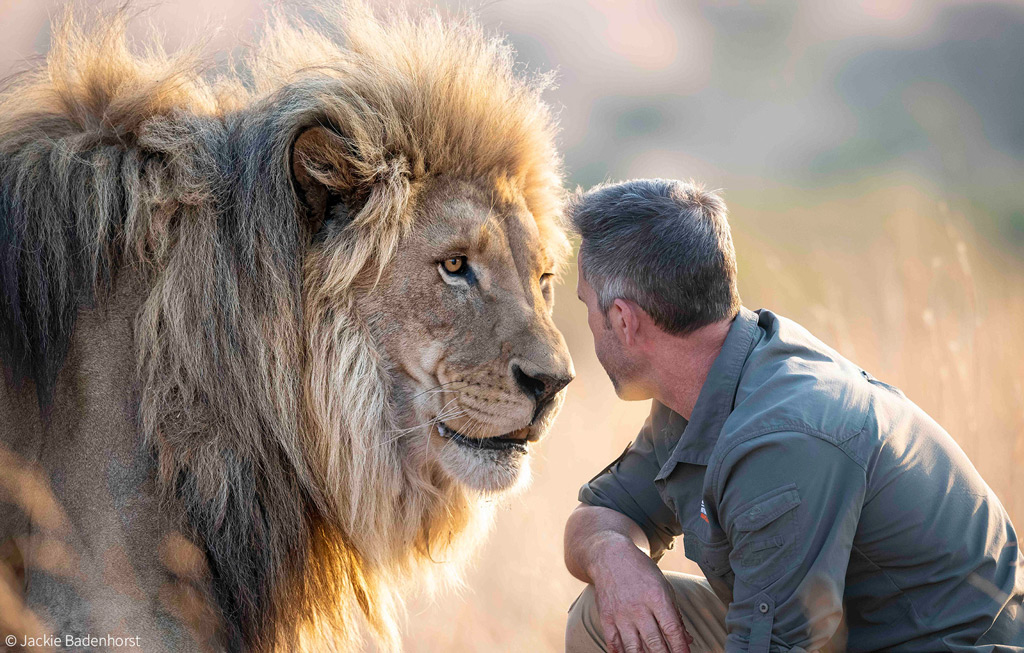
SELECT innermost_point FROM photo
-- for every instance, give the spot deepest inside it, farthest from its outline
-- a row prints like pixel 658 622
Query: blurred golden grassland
pixel 890 277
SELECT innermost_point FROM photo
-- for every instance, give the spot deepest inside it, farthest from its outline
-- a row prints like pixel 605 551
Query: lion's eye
pixel 547 288
pixel 455 265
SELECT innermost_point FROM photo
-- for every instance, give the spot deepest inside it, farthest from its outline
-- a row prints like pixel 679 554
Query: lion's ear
pixel 323 171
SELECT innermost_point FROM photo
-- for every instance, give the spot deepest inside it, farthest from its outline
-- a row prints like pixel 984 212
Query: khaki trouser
pixel 703 615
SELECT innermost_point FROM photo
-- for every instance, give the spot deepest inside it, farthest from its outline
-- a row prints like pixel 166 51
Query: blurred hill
pixel 792 94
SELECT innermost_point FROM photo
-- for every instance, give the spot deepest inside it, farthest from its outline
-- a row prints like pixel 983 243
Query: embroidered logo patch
pixel 703 511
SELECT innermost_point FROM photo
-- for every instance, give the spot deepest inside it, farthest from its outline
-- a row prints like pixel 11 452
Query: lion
pixel 275 336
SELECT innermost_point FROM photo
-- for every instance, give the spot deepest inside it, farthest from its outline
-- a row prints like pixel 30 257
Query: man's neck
pixel 680 365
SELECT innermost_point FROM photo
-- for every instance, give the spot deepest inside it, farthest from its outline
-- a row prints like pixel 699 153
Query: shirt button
pixel 763 607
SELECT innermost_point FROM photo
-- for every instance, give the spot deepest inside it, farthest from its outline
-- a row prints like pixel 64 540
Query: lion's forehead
pixel 496 226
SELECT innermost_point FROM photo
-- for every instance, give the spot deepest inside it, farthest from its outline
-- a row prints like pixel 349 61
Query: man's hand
pixel 636 603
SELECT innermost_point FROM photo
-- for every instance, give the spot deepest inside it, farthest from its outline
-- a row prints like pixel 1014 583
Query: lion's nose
pixel 542 388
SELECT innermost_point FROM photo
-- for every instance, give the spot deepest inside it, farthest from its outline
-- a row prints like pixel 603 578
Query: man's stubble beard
pixel 625 374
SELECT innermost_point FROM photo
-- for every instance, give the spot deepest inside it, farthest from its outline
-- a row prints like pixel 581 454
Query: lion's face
pixel 464 316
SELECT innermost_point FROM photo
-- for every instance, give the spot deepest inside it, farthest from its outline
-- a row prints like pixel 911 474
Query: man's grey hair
pixel 664 245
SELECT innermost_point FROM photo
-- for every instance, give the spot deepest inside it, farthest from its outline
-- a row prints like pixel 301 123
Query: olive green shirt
pixel 822 505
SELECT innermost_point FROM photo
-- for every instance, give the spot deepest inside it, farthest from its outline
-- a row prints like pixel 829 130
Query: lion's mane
pixel 260 392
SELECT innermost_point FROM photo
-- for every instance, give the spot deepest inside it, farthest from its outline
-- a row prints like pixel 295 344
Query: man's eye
pixel 455 265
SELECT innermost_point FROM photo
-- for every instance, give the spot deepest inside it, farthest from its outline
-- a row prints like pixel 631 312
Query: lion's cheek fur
pixel 396 511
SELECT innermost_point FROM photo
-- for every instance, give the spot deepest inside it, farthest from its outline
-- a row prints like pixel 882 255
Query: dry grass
pixel 890 277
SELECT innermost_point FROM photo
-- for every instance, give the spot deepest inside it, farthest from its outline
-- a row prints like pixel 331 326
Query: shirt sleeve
pixel 627 486
pixel 789 504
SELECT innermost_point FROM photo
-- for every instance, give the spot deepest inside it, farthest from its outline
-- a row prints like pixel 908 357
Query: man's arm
pixel 609 540
pixel 594 530
pixel 790 504
pixel 635 601
pixel 627 487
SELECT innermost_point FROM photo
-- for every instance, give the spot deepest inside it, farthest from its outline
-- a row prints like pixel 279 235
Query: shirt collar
pixel 716 399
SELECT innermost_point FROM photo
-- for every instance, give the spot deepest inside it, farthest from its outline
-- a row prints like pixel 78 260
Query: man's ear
pixel 625 319
pixel 323 166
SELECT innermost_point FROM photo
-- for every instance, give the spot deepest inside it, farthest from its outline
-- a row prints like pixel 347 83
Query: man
pixel 825 509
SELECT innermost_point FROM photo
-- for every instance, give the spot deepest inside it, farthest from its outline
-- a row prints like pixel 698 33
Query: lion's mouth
pixel 514 441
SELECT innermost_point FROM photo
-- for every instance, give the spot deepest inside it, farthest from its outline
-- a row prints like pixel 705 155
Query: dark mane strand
pixel 58 221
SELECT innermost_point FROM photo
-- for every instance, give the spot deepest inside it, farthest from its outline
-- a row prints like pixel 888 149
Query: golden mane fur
pixel 260 391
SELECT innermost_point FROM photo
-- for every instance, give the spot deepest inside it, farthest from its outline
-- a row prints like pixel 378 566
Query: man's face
pixel 622 368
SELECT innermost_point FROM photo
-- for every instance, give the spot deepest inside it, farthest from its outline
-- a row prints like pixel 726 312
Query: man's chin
pixel 630 391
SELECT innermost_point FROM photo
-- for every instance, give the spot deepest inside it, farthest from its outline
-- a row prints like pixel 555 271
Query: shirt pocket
pixel 765 537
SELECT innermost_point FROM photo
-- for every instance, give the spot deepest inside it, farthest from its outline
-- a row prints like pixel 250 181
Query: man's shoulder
pixel 793 382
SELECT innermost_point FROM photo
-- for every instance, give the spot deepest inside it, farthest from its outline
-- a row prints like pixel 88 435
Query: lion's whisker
pixel 437 388
pixel 441 415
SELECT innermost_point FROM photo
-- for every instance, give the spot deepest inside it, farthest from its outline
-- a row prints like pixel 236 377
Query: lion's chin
pixel 490 471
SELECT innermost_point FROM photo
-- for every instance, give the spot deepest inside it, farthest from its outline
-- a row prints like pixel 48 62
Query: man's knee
pixel 583 628
pixel 702 611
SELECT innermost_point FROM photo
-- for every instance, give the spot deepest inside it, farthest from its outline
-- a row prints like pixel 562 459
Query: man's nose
pixel 541 387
